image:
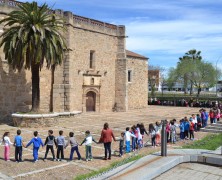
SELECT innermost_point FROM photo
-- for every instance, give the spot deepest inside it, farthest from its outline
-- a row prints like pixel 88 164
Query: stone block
pixel 214 160
pixel 193 158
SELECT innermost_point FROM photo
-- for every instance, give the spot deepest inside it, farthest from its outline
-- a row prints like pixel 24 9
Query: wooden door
pixel 91 101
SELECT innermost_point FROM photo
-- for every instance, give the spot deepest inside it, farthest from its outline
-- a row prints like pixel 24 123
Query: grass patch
pixel 102 170
pixel 210 142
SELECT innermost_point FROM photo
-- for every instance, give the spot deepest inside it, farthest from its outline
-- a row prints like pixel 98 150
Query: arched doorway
pixel 91 101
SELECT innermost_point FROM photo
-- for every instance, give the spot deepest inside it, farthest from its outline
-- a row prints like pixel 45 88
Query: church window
pixel 92 81
pixel 92 60
pixel 129 75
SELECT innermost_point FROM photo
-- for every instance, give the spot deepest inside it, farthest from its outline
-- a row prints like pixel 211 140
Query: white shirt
pixel 7 141
pixel 194 120
pixel 139 134
pixel 128 135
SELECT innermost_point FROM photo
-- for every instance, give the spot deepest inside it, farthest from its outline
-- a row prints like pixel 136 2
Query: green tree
pixel 205 76
pixel 172 77
pixel 193 71
pixel 186 67
pixel 33 38
pixel 193 56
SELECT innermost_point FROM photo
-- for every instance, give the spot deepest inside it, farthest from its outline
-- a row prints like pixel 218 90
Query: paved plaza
pixel 192 171
pixel 79 124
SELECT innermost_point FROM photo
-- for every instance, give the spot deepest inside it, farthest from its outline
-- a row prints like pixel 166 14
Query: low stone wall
pixel 39 120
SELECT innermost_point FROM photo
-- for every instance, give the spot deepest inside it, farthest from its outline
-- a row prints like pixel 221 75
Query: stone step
pixel 217 124
pixel 211 130
pixel 214 127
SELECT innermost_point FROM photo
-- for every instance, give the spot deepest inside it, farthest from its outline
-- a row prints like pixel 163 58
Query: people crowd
pixel 185 103
pixel 132 138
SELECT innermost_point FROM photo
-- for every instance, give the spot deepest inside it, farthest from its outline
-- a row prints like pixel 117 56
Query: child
pixel 133 131
pixel 121 144
pixel 60 141
pixel 173 132
pixel 74 146
pixel 186 127
pixel 18 143
pixel 143 131
pixel 152 132
pixel 50 140
pixel 140 137
pixel 36 141
pixel 199 122
pixel 127 137
pixel 88 144
pixel 194 120
pixel 182 129
pixel 206 117
pixel 158 131
pixel 191 129
pixel 7 143
pixel 168 131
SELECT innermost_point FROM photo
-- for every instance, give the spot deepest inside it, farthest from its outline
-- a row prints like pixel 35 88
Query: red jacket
pixel 191 126
pixel 106 136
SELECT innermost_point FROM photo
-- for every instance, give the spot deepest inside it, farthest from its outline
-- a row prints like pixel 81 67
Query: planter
pixel 39 120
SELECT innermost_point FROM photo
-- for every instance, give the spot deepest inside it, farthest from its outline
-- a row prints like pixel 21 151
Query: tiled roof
pixel 132 54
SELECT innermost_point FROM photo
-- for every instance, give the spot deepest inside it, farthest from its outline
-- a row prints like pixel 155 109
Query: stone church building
pixel 98 73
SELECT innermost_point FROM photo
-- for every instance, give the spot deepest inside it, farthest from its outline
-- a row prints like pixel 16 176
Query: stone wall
pixel 104 47
pixel 15 90
pixel 138 87
pixel 71 79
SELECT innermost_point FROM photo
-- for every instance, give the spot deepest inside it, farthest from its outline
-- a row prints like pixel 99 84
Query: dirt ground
pixel 79 124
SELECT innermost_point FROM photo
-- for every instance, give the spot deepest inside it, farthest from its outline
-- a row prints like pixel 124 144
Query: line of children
pixel 50 141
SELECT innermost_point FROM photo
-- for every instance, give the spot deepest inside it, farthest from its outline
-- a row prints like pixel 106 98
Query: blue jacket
pixel 206 115
pixel 182 127
pixel 186 126
pixel 37 141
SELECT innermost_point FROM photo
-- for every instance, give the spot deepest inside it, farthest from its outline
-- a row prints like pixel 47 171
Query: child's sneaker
pixel 58 159
pixel 87 160
pixel 90 159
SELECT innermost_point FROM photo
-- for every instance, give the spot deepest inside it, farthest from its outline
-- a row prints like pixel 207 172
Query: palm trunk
pixel 35 88
pixel 51 92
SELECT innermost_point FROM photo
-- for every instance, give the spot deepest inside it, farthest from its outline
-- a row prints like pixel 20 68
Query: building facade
pixel 98 73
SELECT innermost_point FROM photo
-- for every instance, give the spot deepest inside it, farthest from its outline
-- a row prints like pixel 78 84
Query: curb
pixel 154 165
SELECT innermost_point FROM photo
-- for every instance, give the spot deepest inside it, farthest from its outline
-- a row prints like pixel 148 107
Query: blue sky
pixel 162 30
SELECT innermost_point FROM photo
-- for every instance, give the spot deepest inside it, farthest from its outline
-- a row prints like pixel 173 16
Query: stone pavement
pixel 154 165
pixel 193 171
pixel 79 124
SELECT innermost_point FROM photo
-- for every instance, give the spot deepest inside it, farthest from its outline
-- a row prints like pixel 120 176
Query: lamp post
pixel 163 138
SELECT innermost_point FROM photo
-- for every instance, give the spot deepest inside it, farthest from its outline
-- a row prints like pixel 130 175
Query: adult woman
pixel 106 138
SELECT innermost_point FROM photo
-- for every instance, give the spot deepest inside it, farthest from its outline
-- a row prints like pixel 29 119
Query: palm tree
pixel 194 56
pixel 33 38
